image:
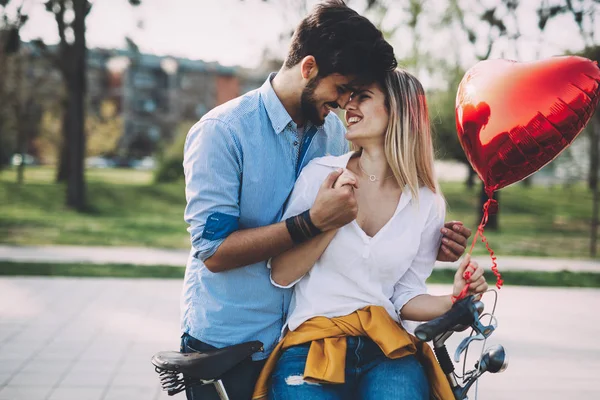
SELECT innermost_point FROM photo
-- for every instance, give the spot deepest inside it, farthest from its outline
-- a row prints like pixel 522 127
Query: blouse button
pixel 366 252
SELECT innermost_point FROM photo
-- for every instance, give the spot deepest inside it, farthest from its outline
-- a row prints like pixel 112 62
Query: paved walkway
pixel 152 256
pixel 92 339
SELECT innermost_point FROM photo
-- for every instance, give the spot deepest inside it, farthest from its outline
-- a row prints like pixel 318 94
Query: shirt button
pixel 295 143
pixel 366 252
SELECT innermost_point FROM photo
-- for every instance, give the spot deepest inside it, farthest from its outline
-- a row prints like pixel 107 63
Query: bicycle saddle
pixel 207 365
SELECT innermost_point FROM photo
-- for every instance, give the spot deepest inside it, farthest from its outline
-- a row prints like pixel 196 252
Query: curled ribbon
pixel 490 207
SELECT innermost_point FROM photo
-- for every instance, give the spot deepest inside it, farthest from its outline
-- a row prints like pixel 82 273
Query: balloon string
pixel 480 228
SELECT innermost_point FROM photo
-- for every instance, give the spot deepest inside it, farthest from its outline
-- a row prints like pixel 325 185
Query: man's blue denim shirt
pixel 241 161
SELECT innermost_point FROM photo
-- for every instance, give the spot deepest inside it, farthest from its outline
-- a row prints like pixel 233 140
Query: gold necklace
pixel 372 178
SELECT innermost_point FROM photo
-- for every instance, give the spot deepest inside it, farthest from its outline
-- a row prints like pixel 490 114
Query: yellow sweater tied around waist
pixel 326 360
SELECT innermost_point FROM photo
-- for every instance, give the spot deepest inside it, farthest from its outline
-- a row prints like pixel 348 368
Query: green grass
pixel 530 278
pixel 534 221
pixel 90 270
pixel 127 209
pixel 123 176
pixel 513 278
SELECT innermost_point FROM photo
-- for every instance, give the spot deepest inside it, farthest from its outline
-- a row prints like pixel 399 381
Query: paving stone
pixel 86 379
pixel 45 378
pixel 132 393
pixel 109 329
pixel 24 392
pixel 70 393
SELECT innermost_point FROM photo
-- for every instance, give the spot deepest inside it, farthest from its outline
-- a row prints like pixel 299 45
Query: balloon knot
pixel 491 206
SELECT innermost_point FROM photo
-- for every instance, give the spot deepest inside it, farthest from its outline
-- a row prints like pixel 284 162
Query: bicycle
pixel 464 314
pixel 180 370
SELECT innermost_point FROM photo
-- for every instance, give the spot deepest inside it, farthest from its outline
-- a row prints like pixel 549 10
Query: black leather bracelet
pixel 314 231
pixel 294 230
pixel 301 227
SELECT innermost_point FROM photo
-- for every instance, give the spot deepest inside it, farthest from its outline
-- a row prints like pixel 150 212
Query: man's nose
pixel 344 99
pixel 350 105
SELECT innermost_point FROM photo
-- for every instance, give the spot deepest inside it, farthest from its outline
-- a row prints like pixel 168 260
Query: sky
pixel 236 32
pixel 232 32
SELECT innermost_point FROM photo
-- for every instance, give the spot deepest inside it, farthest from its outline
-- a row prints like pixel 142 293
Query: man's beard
pixel 308 103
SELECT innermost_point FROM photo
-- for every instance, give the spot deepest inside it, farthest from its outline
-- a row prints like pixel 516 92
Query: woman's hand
pixel 476 280
pixel 346 178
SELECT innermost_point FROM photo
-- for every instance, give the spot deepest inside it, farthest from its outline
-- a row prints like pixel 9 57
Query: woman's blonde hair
pixel 408 144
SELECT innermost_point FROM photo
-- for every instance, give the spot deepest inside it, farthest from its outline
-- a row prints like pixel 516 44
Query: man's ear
pixel 309 68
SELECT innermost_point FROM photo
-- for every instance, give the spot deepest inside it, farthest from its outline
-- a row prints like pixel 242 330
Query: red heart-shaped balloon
pixel 513 118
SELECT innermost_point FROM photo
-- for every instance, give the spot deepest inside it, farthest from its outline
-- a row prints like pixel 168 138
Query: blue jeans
pixel 369 375
pixel 239 381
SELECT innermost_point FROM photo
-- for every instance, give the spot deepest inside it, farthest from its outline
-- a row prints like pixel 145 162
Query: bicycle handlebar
pixel 461 313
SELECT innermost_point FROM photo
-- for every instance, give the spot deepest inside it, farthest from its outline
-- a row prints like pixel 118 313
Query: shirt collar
pixel 277 113
pixel 342 162
pixel 335 162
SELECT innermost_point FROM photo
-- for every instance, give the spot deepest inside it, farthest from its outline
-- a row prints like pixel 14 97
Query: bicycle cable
pixel 492 320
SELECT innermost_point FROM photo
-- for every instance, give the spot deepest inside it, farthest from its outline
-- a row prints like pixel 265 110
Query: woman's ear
pixel 309 68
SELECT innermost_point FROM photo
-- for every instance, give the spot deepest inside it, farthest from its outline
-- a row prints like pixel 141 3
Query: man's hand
pixel 454 241
pixel 335 207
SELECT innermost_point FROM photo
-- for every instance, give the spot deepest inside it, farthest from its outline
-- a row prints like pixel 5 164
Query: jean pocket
pixel 196 346
pixel 300 351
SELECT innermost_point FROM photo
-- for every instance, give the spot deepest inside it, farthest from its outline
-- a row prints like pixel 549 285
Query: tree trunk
pixel 64 162
pixel 76 87
pixel 593 181
pixel 471 177
pixel 22 149
pixel 594 159
pixel 492 223
pixel 594 233
pixel 21 124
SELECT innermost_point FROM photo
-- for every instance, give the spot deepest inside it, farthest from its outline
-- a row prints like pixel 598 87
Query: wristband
pixel 301 227
pixel 294 230
pixel 314 231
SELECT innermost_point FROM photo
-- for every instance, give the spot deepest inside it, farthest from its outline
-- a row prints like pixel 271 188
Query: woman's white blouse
pixel 356 270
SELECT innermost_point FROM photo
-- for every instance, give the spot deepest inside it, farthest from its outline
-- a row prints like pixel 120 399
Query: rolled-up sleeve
pixel 412 283
pixel 212 164
pixel 298 202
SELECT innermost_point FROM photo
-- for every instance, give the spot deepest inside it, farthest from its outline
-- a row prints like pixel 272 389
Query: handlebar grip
pixel 461 313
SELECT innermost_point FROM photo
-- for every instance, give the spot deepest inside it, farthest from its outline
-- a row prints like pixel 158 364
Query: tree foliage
pixel 71 61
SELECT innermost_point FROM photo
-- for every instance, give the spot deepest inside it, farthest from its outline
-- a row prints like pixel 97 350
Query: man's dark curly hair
pixel 343 42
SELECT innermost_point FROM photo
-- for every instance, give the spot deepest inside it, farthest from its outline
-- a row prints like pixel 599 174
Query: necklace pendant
pixel 372 178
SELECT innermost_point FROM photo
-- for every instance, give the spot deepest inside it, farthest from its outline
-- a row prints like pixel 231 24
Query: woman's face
pixel 366 115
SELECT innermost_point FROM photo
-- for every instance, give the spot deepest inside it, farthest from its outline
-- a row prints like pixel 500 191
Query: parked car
pixel 99 162
pixel 146 163
pixel 18 159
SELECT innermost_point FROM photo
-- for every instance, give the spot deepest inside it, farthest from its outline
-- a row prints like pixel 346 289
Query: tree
pixel 491 26
pixel 584 14
pixel 10 26
pixel 103 132
pixel 70 59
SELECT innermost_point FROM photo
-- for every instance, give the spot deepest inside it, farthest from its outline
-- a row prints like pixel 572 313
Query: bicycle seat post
pixel 221 390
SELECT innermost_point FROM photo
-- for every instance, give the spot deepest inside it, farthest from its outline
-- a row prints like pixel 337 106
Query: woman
pixel 353 286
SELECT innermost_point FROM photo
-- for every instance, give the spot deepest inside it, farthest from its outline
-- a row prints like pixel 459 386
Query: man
pixel 241 161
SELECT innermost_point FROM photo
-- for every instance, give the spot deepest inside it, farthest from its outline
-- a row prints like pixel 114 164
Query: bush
pixel 170 164
pixel 7 144
pixel 169 170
